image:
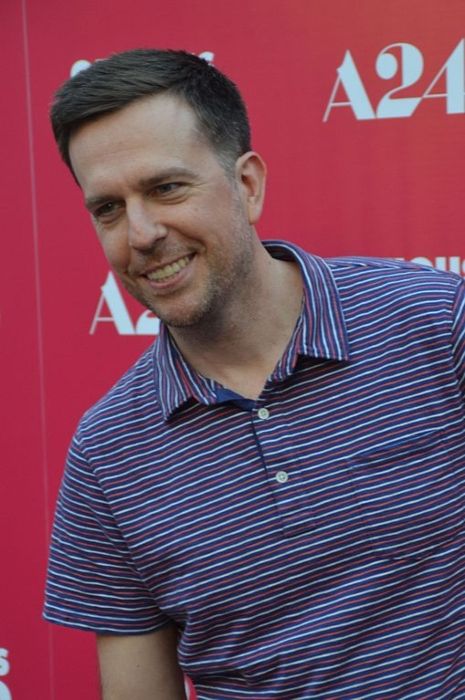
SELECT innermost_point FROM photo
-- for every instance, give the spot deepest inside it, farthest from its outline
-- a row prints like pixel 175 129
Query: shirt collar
pixel 323 329
pixel 321 333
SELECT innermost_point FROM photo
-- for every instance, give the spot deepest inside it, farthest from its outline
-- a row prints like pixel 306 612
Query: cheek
pixel 115 249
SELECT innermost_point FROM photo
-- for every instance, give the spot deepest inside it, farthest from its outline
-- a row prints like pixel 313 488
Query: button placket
pixel 281 476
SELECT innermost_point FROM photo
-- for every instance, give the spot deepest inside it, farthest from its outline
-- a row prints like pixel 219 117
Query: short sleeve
pixel 92 583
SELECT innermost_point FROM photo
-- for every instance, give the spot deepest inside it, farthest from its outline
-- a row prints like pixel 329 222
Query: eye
pixel 168 187
pixel 165 189
pixel 106 212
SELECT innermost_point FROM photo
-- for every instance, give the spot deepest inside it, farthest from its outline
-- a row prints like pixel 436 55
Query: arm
pixel 140 667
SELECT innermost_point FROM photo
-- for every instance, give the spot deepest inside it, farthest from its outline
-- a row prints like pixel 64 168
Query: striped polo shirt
pixel 309 544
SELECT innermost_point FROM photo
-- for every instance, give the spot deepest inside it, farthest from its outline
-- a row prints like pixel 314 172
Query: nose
pixel 144 226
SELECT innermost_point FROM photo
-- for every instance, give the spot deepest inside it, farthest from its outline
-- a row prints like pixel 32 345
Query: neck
pixel 240 345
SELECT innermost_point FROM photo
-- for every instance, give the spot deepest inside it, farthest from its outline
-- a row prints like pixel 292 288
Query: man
pixel 271 500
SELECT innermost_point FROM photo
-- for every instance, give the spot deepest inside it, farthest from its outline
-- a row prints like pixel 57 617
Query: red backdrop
pixel 360 115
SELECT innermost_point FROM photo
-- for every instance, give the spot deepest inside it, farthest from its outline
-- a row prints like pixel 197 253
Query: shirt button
pixel 263 413
pixel 282 477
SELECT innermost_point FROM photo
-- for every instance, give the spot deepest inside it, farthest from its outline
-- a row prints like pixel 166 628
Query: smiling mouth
pixel 164 273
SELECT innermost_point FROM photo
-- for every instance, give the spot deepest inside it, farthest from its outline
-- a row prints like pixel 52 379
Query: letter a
pixel 349 78
pixel 112 297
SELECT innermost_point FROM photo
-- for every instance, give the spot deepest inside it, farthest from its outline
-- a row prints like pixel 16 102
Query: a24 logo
pixel 406 62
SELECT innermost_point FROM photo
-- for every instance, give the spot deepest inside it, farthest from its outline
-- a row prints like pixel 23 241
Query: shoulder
pixel 359 262
pixel 397 277
pixel 389 267
pixel 130 399
pixel 362 268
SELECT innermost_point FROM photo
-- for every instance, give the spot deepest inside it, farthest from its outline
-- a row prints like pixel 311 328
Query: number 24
pixel 409 66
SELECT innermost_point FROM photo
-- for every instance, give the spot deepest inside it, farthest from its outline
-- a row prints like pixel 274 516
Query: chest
pixel 342 461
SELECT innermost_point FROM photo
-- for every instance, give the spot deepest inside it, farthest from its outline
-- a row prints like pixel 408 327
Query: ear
pixel 251 179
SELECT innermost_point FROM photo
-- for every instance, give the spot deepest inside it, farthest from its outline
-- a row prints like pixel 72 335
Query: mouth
pixel 162 274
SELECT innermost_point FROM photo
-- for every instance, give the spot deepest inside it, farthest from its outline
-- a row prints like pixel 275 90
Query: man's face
pixel 175 227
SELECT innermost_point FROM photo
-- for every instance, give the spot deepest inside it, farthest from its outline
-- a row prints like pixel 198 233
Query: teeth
pixel 169 270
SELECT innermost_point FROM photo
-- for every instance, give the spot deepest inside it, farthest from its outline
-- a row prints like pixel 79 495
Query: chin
pixel 179 318
pixel 187 313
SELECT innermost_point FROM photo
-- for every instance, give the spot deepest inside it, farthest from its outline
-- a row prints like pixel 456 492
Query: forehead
pixel 161 128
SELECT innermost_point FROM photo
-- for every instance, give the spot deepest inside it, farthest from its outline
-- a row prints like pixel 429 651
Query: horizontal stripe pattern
pixel 312 550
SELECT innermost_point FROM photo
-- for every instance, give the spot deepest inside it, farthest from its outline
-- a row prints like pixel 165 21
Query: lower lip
pixel 173 281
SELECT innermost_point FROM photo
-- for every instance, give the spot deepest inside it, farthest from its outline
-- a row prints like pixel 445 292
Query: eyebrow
pixel 144 184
